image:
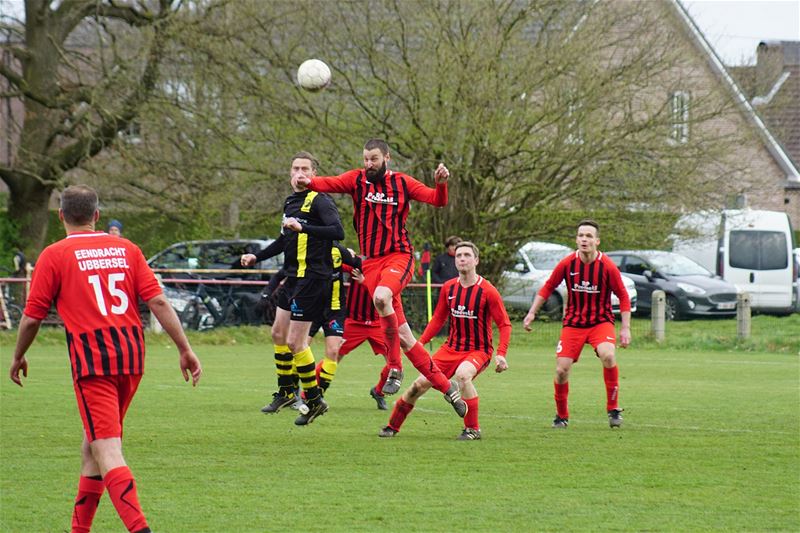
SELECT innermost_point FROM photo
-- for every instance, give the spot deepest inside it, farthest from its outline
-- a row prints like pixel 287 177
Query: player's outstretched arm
pixel 163 311
pixel 625 330
pixel 28 329
pixel 531 316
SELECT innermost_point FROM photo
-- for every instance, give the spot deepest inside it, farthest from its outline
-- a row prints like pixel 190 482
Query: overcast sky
pixel 733 27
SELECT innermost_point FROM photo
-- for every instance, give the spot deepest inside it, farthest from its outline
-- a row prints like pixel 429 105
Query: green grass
pixel 711 442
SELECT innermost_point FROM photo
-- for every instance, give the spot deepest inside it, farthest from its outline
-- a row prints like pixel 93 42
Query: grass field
pixel 711 442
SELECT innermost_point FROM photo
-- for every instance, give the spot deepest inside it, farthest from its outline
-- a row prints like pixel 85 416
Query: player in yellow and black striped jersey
pixel 332 324
pixel 310 225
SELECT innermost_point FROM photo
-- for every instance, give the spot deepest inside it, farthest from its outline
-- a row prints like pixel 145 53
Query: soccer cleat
pixel 387 432
pixel 311 411
pixel 615 418
pixel 453 397
pixel 279 401
pixel 560 423
pixel 393 381
pixel 381 401
pixel 470 434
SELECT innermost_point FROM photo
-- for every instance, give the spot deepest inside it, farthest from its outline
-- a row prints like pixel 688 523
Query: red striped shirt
pixel 589 287
pixel 95 280
pixel 359 304
pixel 380 209
pixel 471 311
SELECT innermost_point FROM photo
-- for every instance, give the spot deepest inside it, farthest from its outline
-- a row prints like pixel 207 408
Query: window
pixel 635 265
pixel 758 250
pixel 679 117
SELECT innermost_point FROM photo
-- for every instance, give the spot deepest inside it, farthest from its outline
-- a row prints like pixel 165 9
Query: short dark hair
pixel 79 204
pixel 452 240
pixel 307 155
pixel 589 222
pixel 467 244
pixel 377 143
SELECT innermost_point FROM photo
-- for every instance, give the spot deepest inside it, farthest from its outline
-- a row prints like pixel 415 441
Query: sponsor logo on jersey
pixel 461 311
pixel 585 286
pixel 380 198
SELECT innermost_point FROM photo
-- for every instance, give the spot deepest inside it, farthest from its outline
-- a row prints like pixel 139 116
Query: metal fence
pixel 204 303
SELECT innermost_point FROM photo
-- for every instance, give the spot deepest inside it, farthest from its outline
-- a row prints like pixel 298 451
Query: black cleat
pixel 453 397
pixel 615 418
pixel 393 381
pixel 470 434
pixel 387 432
pixel 279 401
pixel 310 411
pixel 560 423
pixel 380 400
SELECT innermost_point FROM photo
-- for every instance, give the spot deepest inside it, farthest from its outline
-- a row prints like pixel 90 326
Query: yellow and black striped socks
pixel 325 372
pixel 284 367
pixel 304 361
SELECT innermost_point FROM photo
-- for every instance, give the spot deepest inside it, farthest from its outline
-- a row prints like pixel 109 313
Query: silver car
pixel 533 264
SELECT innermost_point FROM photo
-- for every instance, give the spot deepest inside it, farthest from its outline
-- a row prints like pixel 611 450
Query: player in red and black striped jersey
pixel 471 303
pixel 96 280
pixel 590 277
pixel 381 200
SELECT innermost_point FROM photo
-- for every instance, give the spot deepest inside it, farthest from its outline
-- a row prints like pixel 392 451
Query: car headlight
pixel 691 289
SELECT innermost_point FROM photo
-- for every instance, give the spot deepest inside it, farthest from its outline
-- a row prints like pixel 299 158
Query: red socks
pixel 611 377
pixel 90 490
pixel 122 491
pixel 382 379
pixel 562 391
pixel 399 413
pixel 389 325
pixel 422 361
pixel 471 418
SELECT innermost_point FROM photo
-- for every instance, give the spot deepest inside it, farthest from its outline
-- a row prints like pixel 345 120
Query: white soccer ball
pixel 313 75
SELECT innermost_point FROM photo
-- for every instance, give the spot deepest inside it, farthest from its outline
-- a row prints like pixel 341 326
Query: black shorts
pixel 332 325
pixel 305 298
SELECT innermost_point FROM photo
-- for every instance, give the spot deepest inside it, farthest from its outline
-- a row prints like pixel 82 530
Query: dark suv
pixel 202 306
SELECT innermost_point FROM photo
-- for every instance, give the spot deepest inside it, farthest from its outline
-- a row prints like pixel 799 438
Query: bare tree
pixel 84 69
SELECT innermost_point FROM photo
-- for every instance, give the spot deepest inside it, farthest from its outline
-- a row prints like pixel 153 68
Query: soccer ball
pixel 313 75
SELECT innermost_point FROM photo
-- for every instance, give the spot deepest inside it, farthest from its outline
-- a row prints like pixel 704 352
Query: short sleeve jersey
pixel 589 288
pixel 95 281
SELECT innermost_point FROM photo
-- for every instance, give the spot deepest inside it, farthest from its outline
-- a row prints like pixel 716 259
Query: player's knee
pixel 296 346
pixel 382 299
pixel 562 374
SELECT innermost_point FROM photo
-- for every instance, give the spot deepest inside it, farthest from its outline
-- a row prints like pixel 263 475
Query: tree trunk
pixel 28 208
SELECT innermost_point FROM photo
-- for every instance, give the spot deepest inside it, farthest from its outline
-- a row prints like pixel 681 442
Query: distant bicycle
pixel 204 311
pixel 10 311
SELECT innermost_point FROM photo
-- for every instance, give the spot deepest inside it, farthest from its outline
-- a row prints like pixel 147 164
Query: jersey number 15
pixel 113 279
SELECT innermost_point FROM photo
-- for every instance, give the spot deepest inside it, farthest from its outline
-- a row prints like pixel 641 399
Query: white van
pixel 750 248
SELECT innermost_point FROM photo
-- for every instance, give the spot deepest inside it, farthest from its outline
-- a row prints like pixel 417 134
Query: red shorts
pixel 393 271
pixel 103 402
pixel 355 333
pixel 573 339
pixel 448 360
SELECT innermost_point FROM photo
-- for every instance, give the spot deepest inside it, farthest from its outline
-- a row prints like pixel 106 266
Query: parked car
pixel 216 255
pixel 534 263
pixel 691 289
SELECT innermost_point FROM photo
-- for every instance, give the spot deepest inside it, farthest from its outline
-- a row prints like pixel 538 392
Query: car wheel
pixel 672 310
pixel 553 308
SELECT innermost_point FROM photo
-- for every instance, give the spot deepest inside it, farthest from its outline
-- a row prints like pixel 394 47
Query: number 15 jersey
pixel 95 280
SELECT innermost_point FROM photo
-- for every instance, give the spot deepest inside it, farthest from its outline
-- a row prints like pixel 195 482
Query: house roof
pixel 775 149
